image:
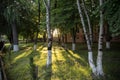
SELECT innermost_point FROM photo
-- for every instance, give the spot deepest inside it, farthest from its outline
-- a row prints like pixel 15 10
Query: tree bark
pixel 100 43
pixel 15 37
pixel 49 56
pixel 90 56
pixel 88 21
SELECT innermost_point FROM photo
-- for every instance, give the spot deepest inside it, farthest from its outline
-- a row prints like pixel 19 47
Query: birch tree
pixel 88 21
pixel 49 56
pixel 90 53
pixel 100 44
pixel 97 70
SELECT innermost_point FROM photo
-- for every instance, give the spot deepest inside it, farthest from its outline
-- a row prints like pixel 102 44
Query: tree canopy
pixel 112 13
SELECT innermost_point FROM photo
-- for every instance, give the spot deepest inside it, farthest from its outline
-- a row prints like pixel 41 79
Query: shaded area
pixel 66 64
pixel 111 62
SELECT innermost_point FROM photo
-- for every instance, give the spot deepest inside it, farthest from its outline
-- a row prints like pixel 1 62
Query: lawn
pixel 66 64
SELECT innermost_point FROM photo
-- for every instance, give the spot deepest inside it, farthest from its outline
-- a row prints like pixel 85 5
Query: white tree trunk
pixel 15 48
pixel 88 20
pixel 100 43
pixel 99 64
pixel 49 57
pixel 73 46
pixel 90 58
pixel 15 37
pixel 108 44
pixel 91 62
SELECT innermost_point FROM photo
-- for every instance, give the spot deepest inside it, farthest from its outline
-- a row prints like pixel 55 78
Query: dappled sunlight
pixel 7 44
pixel 76 56
pixel 57 54
pixel 57 58
pixel 23 46
pixel 84 70
pixel 63 62
pixel 44 50
pixel 24 54
pixel 66 64
pixel 40 48
pixel 41 60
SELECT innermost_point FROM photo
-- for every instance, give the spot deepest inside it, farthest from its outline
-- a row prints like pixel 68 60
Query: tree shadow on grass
pixel 69 67
pixel 32 66
pixel 81 59
pixel 28 52
pixel 45 72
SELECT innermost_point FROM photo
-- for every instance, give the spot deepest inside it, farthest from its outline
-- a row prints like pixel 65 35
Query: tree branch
pixel 45 3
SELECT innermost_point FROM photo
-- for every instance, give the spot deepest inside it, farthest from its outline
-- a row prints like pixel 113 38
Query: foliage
pixel 3 22
pixel 112 13
pixel 64 15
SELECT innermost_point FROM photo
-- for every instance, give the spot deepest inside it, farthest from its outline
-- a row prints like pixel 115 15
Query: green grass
pixel 66 64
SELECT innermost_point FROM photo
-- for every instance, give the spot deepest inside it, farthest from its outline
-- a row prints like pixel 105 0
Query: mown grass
pixel 66 64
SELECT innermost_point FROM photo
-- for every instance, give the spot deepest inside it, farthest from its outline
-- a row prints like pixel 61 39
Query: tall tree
pixel 49 57
pixel 88 21
pixel 15 37
pixel 97 70
pixel 90 53
pixel 100 44
pixel 16 13
pixel 11 15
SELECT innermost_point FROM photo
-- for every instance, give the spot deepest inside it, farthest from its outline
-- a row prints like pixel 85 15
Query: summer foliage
pixel 70 27
pixel 112 13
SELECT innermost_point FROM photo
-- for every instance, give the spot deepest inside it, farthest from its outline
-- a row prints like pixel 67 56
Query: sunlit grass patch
pixel 17 63
pixel 66 64
pixel 24 54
